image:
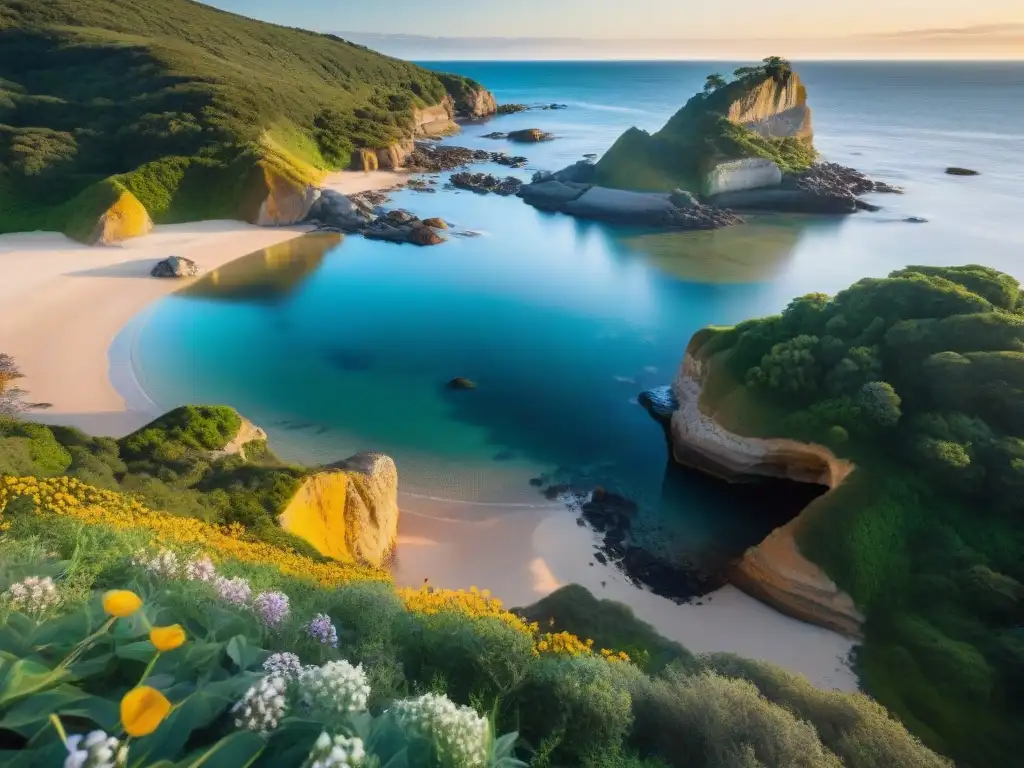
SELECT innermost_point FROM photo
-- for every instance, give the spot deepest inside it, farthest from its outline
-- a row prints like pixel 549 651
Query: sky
pixel 607 27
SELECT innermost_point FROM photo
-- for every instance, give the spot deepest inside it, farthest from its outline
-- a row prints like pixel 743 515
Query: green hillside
pixel 700 135
pixel 193 110
pixel 918 378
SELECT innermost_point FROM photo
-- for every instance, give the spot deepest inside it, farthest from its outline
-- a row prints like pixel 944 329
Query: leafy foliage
pixel 919 379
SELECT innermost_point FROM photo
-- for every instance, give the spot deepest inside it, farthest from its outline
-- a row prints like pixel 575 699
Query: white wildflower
pixel 200 569
pixel 263 706
pixel 459 734
pixel 336 687
pixel 339 752
pixel 235 591
pixel 164 565
pixel 286 665
pixel 95 750
pixel 34 595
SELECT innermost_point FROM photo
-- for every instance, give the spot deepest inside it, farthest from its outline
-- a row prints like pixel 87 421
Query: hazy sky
pixel 661 19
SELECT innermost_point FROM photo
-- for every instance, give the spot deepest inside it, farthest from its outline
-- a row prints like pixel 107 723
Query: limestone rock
pixel 175 266
pixel 776 109
pixel 126 218
pixel 775 570
pixel 365 160
pixel 747 173
pixel 394 156
pixel 437 120
pixel 348 511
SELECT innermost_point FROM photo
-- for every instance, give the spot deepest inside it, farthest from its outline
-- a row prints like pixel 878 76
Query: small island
pixel 741 144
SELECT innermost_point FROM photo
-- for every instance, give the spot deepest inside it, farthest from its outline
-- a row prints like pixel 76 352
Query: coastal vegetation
pixel 204 637
pixel 918 378
pixel 189 111
pixel 703 134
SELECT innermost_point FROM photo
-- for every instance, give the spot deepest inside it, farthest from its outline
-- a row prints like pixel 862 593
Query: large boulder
pixel 175 266
pixel 550 194
pixel 333 209
pixel 349 510
pixel 529 136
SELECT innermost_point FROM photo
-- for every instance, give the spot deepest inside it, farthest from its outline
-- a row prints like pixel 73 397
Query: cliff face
pixel 475 104
pixel 775 570
pixel 438 120
pixel 349 511
pixel 774 109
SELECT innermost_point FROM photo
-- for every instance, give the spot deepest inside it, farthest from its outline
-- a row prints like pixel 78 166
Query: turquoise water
pixel 338 347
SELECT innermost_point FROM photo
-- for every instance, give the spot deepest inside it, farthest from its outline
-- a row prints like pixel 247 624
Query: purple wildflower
pixel 235 591
pixel 272 607
pixel 322 630
pixel 200 569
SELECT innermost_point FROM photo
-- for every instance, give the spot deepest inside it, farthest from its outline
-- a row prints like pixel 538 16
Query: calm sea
pixel 347 347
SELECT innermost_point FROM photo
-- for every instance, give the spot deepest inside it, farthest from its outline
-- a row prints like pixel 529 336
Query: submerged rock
pixel 955 171
pixel 176 266
pixel 529 136
pixel 461 383
pixel 511 109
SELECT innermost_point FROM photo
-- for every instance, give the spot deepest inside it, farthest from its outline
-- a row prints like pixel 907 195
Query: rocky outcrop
pixel 283 201
pixel 349 510
pixel 333 209
pixel 618 206
pixel 484 183
pixel 125 218
pixel 435 158
pixel 822 188
pixel 435 121
pixel 175 266
pixel 247 433
pixel 525 136
pixel 776 108
pixel 402 227
pixel 775 570
pixel 475 103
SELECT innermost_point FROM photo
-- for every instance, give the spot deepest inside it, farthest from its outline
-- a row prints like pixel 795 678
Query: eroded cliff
pixel 348 511
pixel 775 570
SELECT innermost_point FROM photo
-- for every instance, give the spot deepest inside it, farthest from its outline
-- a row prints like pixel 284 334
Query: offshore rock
pixel 335 210
pixel 484 183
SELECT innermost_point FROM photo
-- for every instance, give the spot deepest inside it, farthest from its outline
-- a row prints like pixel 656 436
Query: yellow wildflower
pixel 167 638
pixel 143 709
pixel 121 603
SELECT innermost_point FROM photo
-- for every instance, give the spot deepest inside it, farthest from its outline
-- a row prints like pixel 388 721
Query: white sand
pixel 522 553
pixel 63 304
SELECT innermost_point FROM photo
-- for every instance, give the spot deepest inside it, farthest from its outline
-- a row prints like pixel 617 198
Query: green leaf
pixel 64 632
pixel 26 677
pixel 245 656
pixel 239 750
pixel 37 709
pixel 142 651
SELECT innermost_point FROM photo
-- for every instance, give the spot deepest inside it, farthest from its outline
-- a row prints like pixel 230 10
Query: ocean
pixel 340 347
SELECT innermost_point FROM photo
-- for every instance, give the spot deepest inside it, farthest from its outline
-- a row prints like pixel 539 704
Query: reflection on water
pixel 757 251
pixel 266 275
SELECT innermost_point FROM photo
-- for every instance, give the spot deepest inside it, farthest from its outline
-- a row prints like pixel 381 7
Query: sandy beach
pixel 65 304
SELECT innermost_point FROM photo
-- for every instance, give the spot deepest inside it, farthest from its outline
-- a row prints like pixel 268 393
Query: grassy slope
pixel 197 98
pixel 693 140
pixel 933 552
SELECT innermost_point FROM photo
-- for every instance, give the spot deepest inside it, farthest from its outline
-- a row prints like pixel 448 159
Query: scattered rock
pixel 461 383
pixel 176 266
pixel 435 223
pixel 601 558
pixel 555 106
pixel 511 109
pixel 955 171
pixel 486 182
pixel 529 136
pixel 436 158
pixel 400 226
pixel 512 161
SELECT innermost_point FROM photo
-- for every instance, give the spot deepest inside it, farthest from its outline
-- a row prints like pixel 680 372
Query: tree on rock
pixel 714 82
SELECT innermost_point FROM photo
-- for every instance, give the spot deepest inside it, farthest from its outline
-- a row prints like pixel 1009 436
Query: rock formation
pixel 402 227
pixel 486 182
pixel 349 510
pixel 435 121
pixel 470 100
pixel 775 570
pixel 175 266
pixel 125 218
